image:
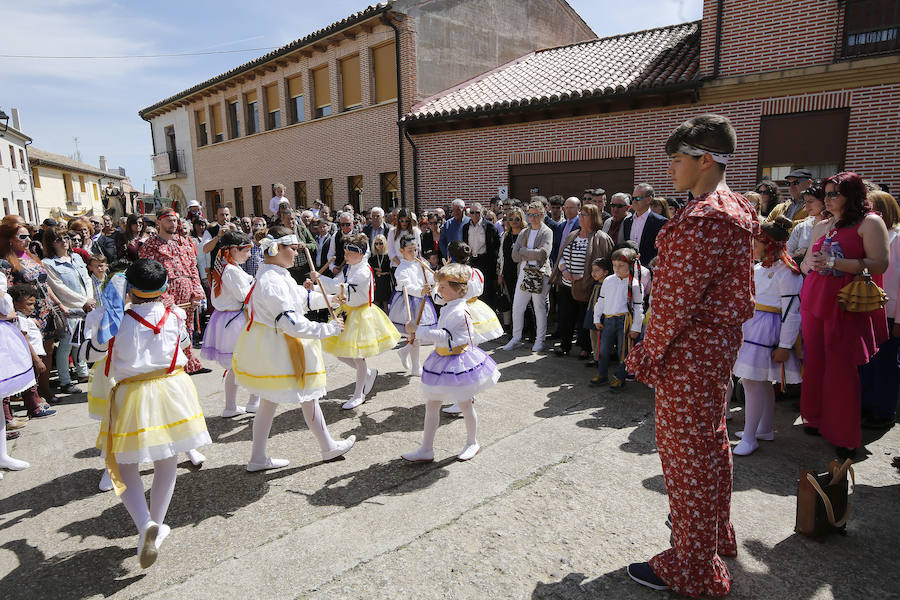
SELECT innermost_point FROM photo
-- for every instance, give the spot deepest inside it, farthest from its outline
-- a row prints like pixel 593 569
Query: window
pixel 96 192
pixel 200 117
pixel 300 193
pixel 81 183
pixel 814 140
pixel 218 129
pixel 234 119
pixel 67 184
pixel 355 191
pixel 12 156
pixel 389 195
pixel 322 92
pixel 252 112
pixel 22 160
pixel 273 107
pixel 326 192
pixel 350 87
pixel 36 177
pixel 239 201
pixel 871 27
pixel 256 192
pixel 21 207
pixel 295 92
pixel 385 60
pixel 30 214
pixel 5 206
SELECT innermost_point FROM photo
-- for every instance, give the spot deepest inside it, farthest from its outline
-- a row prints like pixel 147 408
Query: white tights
pixel 362 373
pixel 433 419
pixel 231 389
pixel 414 348
pixel 262 425
pixel 759 413
pixel 160 492
pixel 7 461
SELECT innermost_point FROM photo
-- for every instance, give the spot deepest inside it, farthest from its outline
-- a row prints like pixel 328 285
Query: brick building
pixel 321 113
pixel 806 83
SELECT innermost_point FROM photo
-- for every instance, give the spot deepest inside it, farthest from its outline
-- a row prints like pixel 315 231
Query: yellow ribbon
pixel 768 309
pixel 452 352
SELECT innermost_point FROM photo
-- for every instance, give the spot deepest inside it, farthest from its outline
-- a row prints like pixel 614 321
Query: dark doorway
pixel 571 178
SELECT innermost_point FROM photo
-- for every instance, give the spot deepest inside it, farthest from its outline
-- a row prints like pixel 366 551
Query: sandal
pixel 11 435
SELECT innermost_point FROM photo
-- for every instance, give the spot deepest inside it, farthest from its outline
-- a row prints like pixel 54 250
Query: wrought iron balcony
pixel 168 164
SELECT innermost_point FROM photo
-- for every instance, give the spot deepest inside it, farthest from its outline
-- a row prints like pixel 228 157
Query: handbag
pixel 823 500
pixel 862 294
pixel 532 280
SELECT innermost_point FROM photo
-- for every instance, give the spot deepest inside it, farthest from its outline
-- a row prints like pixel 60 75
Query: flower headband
pixel 354 248
pixel 719 157
pixel 270 244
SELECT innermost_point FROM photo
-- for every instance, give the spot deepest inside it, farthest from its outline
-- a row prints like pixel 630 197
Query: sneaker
pixel 759 436
pixel 147 545
pixel 340 448
pixel 201 371
pixel 270 463
pixel 599 380
pixel 469 452
pixel 629 377
pixel 538 347
pixel 591 363
pixel 644 575
pixel 15 424
pixel 70 388
pixel 228 413
pixel 353 402
pixel 452 410
pixel 44 412
pixel 512 344
pixel 616 384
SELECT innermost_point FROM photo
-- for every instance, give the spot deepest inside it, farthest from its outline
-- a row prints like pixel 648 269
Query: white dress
pixel 228 320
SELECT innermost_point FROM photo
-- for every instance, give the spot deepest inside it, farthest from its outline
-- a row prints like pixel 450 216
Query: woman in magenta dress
pixel 836 342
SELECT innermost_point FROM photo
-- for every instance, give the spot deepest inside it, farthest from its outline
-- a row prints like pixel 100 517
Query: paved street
pixel 566 492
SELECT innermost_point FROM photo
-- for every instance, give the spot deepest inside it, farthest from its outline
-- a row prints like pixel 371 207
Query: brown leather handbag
pixel 862 294
pixel 823 500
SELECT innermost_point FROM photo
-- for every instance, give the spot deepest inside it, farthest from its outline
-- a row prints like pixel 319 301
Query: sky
pixel 96 100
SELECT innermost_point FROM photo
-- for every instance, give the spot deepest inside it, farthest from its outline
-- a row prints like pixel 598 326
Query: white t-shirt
pixel 33 333
pixel 274 202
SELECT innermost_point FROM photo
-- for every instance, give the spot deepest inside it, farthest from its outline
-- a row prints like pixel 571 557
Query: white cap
pixel 193 203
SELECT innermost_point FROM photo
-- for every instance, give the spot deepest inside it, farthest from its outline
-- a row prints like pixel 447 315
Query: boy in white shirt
pixel 619 308
pixel 24 297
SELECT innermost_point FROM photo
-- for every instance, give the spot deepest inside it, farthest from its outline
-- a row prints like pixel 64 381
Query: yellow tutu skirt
pixel 155 419
pixel 367 332
pixel 485 324
pixel 263 364
pixel 99 387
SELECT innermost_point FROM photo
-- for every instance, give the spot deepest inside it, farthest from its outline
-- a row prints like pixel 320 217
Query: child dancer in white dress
pixel 368 331
pixel 456 370
pixel 153 410
pixel 418 282
pixel 16 368
pixel 279 356
pixel 230 286
pixel 767 353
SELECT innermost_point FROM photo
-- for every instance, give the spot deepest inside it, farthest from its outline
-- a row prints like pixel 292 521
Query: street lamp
pixel 5 118
pixel 22 184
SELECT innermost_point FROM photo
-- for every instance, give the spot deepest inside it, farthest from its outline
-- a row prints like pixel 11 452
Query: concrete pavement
pixel 566 492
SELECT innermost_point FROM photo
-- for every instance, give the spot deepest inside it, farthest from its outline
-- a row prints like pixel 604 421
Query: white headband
pixel 270 244
pixel 719 157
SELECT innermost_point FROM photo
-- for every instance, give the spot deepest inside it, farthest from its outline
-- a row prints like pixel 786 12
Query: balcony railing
pixel 871 27
pixel 168 163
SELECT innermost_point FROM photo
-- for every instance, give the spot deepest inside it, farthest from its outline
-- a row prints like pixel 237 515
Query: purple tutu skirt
pixel 458 377
pixel 754 359
pixel 221 335
pixel 17 371
pixel 397 311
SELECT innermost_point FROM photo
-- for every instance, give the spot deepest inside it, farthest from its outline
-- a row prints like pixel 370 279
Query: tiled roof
pixel 39 157
pixel 356 17
pixel 618 65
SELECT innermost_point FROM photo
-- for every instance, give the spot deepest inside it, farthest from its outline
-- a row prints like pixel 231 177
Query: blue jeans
pixel 613 333
pixel 63 351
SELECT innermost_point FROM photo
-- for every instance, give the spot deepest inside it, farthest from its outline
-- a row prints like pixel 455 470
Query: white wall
pixel 180 120
pixel 13 200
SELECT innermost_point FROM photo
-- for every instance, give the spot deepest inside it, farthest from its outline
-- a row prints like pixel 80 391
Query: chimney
pixel 102 163
pixel 15 119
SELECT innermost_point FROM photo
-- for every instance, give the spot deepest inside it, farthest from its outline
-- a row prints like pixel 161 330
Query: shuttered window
pixel 273 107
pixel 350 85
pixel 384 59
pixel 200 117
pixel 803 140
pixel 295 92
pixel 322 92
pixel 218 129
pixel 252 102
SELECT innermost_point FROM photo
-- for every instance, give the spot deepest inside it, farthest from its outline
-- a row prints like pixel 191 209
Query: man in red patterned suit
pixel 178 255
pixel 702 294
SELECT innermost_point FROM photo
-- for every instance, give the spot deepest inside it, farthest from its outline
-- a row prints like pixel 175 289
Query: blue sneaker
pixel 644 575
pixel 44 412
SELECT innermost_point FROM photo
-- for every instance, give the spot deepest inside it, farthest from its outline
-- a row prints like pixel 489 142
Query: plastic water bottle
pixel 826 252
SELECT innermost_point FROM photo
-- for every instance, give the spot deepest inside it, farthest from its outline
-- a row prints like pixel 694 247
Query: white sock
pixel 231 389
pixel 467 408
pixel 7 461
pixel 262 425
pixel 312 413
pixel 162 488
pixel 432 420
pixel 757 395
pixel 253 403
pixel 105 481
pixel 414 365
pixel 767 414
pixel 362 372
pixel 133 496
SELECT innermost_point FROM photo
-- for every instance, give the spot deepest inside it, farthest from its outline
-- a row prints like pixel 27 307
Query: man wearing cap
pixel 178 255
pixel 794 209
pixel 194 210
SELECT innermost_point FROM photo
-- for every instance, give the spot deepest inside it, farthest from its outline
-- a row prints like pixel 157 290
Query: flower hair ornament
pixel 270 244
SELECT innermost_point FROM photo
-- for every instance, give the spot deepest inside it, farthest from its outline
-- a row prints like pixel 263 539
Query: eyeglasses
pixel 619 205
pixel 797 182
pixel 832 194
pixel 474 212
pixel 529 215
pixel 24 237
pixel 432 222
pixel 346 224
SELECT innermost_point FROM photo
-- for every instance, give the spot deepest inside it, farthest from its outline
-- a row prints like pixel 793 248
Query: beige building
pixel 67 187
pixel 321 113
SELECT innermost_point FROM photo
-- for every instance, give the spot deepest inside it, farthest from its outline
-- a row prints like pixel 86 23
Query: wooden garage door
pixel 571 178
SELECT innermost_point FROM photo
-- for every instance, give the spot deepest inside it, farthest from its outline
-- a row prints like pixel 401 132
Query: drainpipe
pixel 415 150
pixel 153 144
pixel 400 128
pixel 720 8
pixel 37 216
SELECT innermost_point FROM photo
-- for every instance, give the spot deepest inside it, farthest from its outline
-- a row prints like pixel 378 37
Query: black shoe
pixel 201 371
pixel 811 430
pixel 644 575
pixel 845 453
pixel 560 352
pixel 591 363
pixel 878 423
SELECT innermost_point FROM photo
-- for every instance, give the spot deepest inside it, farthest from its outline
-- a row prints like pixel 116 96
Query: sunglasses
pixel 24 237
pixel 346 224
pixel 619 205
pixel 474 212
pixel 516 219
pixel 796 182
pixel 529 215
pixel 379 243
pixel 832 194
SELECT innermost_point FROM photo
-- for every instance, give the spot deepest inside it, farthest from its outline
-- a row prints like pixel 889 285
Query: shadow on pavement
pixel 70 487
pixel 392 478
pixel 69 575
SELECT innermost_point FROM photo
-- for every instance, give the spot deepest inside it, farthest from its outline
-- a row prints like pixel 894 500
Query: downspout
pixel 718 50
pixel 415 150
pixel 153 147
pixel 400 128
pixel 37 216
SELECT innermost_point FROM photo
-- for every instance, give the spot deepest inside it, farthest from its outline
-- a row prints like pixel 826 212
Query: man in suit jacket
pixel 483 240
pixel 377 226
pixel 451 230
pixel 567 225
pixel 346 226
pixel 614 226
pixel 643 225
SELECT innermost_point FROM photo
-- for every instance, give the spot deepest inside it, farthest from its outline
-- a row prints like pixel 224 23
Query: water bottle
pixel 826 252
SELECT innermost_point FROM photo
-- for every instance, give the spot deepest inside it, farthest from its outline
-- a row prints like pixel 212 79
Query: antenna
pixel 77 155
